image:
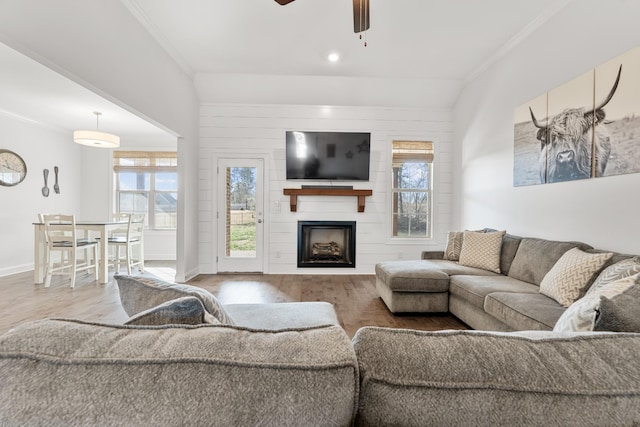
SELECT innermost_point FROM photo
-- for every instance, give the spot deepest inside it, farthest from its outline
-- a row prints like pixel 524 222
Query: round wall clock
pixel 13 169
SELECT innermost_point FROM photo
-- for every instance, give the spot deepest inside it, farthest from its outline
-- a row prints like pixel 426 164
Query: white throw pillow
pixel 581 315
pixel 482 250
pixel 571 275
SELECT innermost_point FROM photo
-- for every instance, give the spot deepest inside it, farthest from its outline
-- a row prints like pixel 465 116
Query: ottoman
pixel 413 286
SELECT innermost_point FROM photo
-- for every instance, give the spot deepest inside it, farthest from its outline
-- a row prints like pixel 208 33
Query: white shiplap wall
pixel 230 130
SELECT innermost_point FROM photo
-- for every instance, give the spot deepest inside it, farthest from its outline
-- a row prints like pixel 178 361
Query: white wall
pixel 601 212
pixel 100 45
pixel 237 129
pixel 19 205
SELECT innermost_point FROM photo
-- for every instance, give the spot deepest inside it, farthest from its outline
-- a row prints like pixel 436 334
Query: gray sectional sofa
pixel 484 300
pixel 291 365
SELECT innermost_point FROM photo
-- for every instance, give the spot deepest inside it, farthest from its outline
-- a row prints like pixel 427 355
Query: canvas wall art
pixel 588 127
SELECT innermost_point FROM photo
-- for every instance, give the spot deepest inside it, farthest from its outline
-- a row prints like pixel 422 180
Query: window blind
pixel 411 152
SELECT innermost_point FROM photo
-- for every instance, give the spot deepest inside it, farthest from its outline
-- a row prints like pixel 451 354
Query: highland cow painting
pixel 585 128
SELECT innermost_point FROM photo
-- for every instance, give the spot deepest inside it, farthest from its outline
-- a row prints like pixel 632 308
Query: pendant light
pixel 95 138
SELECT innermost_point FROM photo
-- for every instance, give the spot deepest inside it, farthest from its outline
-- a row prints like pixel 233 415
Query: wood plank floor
pixel 354 297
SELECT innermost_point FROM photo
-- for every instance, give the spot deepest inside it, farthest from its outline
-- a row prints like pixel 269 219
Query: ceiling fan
pixel 360 14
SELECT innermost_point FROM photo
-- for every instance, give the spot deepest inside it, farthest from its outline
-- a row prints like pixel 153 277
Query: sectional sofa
pixel 505 299
pixel 191 361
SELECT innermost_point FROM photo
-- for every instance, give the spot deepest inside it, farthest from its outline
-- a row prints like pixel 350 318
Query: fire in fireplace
pixel 326 244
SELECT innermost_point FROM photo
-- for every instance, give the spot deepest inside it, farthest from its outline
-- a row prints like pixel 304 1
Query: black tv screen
pixel 337 156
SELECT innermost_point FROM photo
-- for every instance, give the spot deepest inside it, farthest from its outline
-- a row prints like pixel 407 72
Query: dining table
pixel 101 228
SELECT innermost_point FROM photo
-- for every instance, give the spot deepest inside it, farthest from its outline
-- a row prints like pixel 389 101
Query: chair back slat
pixel 60 230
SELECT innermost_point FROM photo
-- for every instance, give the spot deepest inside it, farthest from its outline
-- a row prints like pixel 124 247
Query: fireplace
pixel 326 244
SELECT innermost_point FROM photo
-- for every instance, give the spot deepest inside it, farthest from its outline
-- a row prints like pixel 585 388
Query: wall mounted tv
pixel 332 156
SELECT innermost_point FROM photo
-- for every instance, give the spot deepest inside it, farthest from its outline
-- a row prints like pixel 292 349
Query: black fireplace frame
pixel 350 262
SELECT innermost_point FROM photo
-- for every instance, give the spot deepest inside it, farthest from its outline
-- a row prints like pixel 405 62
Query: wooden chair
pixel 128 237
pixel 61 236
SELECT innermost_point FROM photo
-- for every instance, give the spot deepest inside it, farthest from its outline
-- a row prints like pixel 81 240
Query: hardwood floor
pixel 354 297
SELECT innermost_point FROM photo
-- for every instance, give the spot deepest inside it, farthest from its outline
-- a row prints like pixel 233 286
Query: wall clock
pixel 13 169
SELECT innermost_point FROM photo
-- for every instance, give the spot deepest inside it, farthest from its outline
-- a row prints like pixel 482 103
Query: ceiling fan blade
pixel 283 2
pixel 360 15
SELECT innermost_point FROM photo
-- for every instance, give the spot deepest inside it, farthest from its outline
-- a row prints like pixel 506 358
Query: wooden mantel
pixel 293 194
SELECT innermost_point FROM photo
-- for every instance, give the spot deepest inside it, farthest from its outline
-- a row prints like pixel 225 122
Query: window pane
pixel 411 176
pixel 166 207
pixel 410 225
pixel 134 181
pixel 410 202
pixel 133 203
pixel 167 181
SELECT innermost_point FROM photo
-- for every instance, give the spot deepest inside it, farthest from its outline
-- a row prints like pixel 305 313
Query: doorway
pixel 240 215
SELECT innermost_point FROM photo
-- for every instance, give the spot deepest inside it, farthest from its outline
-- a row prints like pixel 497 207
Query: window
pixel 147 183
pixel 412 166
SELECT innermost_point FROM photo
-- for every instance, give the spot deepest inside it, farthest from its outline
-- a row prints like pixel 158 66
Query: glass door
pixel 240 215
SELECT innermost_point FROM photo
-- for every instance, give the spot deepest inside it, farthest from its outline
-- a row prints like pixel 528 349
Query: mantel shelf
pixel 293 194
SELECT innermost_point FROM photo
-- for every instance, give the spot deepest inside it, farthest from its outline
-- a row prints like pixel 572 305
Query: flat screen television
pixel 331 156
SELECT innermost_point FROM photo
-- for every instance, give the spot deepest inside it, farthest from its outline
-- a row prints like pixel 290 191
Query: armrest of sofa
pixel 483 378
pixel 65 372
pixel 432 254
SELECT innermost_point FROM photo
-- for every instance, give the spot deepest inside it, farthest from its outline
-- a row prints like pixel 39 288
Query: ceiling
pixel 34 93
pixel 408 39
pixel 432 39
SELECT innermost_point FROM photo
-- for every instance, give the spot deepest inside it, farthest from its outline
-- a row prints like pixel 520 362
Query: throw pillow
pixel 481 250
pixel 454 246
pixel 142 293
pixel 181 311
pixel 625 268
pixel 581 315
pixel 620 313
pixel 570 277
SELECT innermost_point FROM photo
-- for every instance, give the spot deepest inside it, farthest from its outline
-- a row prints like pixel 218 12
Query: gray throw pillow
pixel 454 246
pixel 621 269
pixel 620 313
pixel 181 311
pixel 581 315
pixel 142 293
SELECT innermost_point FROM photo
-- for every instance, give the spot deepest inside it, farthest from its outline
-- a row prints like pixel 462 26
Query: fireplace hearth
pixel 326 244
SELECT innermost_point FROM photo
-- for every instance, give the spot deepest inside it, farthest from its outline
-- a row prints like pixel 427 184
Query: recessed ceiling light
pixel 333 57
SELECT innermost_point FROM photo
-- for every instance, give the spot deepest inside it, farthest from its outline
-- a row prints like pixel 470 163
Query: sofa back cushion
pixel 138 293
pixel 433 378
pixel 535 257
pixel 61 372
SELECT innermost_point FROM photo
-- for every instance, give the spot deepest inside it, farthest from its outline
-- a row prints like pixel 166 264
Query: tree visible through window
pixel 412 171
pixel 147 183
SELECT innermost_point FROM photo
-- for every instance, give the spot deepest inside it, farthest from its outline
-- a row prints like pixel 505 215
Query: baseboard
pixel 15 269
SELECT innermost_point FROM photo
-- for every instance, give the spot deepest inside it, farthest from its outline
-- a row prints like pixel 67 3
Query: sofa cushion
pixel 474 289
pixel 581 315
pixel 569 278
pixel 421 275
pixel 620 313
pixel 625 268
pixel 510 244
pixel 481 250
pixel 64 373
pixel 183 311
pixel 142 293
pixel 524 311
pixel 535 257
pixel 277 316
pixel 454 246
pixel 465 378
